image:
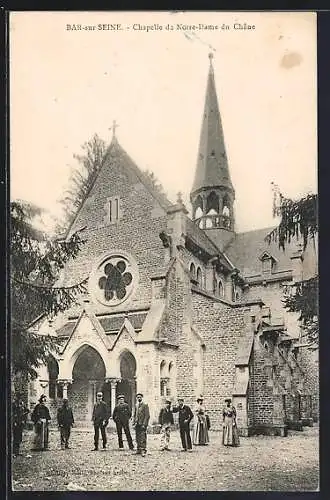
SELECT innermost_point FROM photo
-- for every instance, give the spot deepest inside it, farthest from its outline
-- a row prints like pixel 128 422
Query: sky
pixel 66 85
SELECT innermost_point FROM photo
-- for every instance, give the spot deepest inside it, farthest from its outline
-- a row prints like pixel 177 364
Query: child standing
pixel 165 420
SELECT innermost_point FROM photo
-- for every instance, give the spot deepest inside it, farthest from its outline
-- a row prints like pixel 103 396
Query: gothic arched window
pixel 164 379
pixel 198 207
pixel 212 203
pixel 192 271
pixel 199 277
pixel 220 289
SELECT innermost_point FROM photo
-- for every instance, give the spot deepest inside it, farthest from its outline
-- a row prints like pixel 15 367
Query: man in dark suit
pixel 141 420
pixel 100 419
pixel 121 415
pixel 185 417
pixel 65 421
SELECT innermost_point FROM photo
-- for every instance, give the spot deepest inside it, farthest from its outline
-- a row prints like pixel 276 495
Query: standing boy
pixel 65 421
pixel 165 420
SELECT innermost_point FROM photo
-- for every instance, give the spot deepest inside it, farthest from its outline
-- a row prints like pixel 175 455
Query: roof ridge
pixel 161 198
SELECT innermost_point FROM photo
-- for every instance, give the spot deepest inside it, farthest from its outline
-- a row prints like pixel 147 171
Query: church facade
pixel 180 306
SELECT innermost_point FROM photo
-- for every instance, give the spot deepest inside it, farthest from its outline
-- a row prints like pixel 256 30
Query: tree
pixel 298 219
pixel 35 264
pixel 83 175
pixel 154 182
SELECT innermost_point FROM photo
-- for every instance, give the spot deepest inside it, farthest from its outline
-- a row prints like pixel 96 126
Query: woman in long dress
pixel 201 434
pixel 41 418
pixel 230 435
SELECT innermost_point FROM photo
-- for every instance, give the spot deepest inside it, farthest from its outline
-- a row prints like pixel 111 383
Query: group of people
pixel 121 416
pixel 202 424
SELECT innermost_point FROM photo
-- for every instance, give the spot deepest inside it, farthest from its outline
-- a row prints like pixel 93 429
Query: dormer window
pixel 267 263
pixel 266 266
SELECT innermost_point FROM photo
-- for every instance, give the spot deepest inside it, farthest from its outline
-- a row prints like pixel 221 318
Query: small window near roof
pixel 267 263
pixel 112 210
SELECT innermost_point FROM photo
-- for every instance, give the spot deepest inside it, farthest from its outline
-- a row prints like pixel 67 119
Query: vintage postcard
pixel 164 272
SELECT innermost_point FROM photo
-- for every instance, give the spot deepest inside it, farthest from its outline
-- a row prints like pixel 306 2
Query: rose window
pixel 113 280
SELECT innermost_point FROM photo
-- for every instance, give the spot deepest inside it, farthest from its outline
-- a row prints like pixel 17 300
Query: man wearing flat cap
pixel 100 419
pixel 141 420
pixel 165 420
pixel 121 415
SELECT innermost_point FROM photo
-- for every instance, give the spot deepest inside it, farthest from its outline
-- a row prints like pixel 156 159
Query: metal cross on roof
pixel 113 128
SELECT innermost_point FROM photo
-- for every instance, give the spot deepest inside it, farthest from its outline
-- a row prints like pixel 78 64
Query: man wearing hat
pixel 165 420
pixel 65 421
pixel 185 417
pixel 141 420
pixel 100 419
pixel 121 415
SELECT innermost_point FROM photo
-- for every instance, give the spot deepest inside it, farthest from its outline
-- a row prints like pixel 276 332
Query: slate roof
pixel 246 248
pixel 114 323
pixel 212 165
pixel 110 324
pixel 198 236
pixel 117 151
pixel 66 329
pixel 244 351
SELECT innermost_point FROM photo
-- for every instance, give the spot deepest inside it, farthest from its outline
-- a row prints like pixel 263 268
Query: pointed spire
pixel 212 166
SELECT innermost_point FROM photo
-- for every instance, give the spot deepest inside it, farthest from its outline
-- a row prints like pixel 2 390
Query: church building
pixel 179 306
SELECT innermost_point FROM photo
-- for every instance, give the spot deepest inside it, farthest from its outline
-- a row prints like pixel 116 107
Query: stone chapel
pixel 180 306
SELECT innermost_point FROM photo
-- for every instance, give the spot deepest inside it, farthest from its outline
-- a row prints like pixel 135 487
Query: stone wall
pixel 137 233
pixel 179 320
pixel 309 361
pixel 221 327
pixel 261 403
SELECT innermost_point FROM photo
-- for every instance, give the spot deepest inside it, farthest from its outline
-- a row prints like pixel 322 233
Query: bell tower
pixel 212 195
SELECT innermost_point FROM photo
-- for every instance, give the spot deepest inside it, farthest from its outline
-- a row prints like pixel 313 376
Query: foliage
pixel 299 220
pixel 302 297
pixel 35 264
pixel 83 175
pixel 154 182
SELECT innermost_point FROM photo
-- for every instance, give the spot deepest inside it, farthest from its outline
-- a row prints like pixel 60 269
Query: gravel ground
pixel 261 463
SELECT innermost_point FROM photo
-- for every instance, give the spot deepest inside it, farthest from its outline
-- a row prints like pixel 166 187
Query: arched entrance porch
pixel 127 383
pixel 88 377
